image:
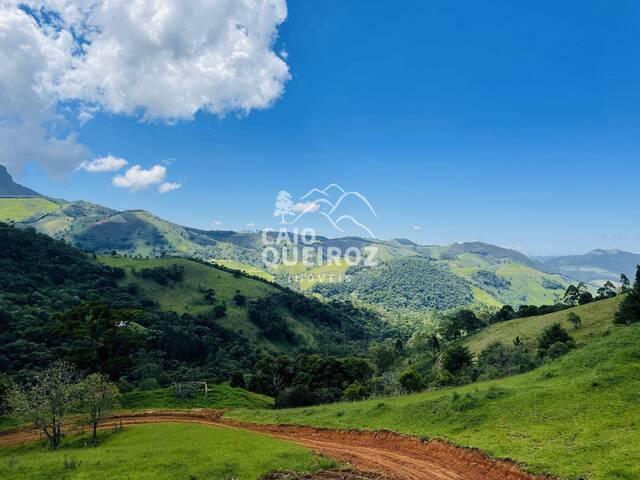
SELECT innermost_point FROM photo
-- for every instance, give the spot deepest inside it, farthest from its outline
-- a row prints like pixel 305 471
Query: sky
pixel 512 124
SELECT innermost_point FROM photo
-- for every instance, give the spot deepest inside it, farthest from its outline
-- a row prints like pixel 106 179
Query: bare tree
pixel 98 397
pixel 48 400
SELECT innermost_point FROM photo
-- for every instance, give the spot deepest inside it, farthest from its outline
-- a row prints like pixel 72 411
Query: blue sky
pixel 495 121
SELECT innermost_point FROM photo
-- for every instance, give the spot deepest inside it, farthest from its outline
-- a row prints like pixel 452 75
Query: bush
pixel 411 381
pixel 499 360
pixel 552 335
pixel 575 320
pixel 355 392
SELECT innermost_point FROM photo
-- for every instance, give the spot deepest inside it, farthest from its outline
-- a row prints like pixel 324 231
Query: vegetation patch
pixel 167 451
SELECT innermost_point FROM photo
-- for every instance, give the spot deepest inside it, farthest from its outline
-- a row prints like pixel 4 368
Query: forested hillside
pixel 149 323
pixel 413 283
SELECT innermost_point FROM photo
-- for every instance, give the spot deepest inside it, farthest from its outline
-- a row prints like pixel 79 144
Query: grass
pixel 246 268
pixel 17 209
pixel 309 276
pixel 219 396
pixel 577 417
pixel 526 282
pixel 596 319
pixel 162 451
pixel 188 297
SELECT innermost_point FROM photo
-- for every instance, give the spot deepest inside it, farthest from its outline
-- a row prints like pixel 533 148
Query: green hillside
pixel 487 274
pixel 576 417
pixel 291 321
pixel 412 283
pixel 218 396
pixel 18 209
pixel 596 320
pixel 245 268
pixel 163 451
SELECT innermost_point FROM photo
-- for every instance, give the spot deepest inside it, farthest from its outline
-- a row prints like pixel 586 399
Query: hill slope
pixel 576 417
pixel 596 321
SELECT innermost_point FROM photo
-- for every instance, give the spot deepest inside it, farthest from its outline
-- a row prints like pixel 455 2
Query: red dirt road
pixel 393 456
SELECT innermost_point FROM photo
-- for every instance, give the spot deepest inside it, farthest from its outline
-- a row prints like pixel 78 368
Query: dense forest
pixel 413 283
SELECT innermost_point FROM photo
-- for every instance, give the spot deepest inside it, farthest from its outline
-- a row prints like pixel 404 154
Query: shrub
pixel 355 392
pixel 499 360
pixel 575 320
pixel 552 335
pixel 411 381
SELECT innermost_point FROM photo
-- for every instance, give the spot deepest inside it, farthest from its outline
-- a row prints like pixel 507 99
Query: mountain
pixel 9 188
pixel 474 272
pixel 596 266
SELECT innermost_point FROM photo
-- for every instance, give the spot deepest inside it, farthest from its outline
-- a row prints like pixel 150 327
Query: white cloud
pixel 137 178
pixel 306 207
pixel 251 225
pixel 104 164
pixel 169 187
pixel 216 223
pixel 62 61
pixel 416 227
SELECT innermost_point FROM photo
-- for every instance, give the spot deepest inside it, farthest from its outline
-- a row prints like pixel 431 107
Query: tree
pixel 505 313
pixel 284 206
pixel 460 324
pixel 98 397
pixel 457 358
pixel 383 355
pixel 575 320
pixel 573 293
pixel 411 381
pixel 48 400
pixel 624 283
pixel 629 310
pixel 608 290
pixel 551 336
pixel 584 298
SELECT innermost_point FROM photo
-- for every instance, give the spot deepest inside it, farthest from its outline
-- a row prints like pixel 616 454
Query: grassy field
pixel 219 396
pixel 17 209
pixel 163 451
pixel 187 296
pixel 526 283
pixel 246 268
pixel 577 417
pixel 596 319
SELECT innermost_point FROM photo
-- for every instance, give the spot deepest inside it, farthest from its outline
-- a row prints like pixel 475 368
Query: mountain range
pixel 474 272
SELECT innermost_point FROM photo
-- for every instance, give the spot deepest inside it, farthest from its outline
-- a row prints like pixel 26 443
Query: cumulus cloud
pixel 169 187
pixel 307 207
pixel 61 61
pixel 416 228
pixel 137 178
pixel 216 223
pixel 104 164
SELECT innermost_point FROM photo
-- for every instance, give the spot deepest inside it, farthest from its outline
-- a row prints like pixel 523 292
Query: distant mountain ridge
pixel 596 266
pixel 489 274
pixel 9 188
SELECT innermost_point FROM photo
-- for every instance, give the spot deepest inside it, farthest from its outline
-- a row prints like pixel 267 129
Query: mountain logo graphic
pixel 320 201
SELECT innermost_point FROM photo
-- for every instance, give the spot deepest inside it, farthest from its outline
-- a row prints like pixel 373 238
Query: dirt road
pixel 393 456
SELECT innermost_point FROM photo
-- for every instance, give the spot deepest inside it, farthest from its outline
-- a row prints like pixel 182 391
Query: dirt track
pixel 393 456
